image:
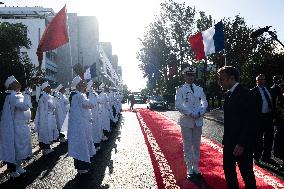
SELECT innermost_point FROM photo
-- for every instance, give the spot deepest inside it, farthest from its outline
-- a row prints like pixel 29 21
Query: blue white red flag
pixel 207 42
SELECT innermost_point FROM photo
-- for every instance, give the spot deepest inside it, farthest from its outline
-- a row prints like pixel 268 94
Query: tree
pixel 165 47
pixel 243 52
pixel 14 62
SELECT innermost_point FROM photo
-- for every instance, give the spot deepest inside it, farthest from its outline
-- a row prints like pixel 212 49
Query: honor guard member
pixel 97 131
pixel 191 103
pixel 45 121
pixel 15 135
pixel 62 106
pixel 80 142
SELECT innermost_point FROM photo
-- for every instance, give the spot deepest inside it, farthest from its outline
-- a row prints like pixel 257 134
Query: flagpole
pixel 205 73
pixel 225 57
pixel 70 51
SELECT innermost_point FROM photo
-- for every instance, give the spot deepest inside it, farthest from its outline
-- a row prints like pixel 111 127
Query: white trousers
pixel 191 144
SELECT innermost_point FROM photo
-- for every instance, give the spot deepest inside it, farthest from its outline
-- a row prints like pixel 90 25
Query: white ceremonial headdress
pixel 102 86
pixel 76 81
pixel 89 85
pixel 60 86
pixel 9 81
pixel 44 85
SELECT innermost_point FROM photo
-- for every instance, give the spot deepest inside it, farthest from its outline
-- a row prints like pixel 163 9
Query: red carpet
pixel 164 142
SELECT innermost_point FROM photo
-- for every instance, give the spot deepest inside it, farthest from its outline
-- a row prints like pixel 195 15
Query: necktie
pixel 267 98
pixel 191 87
pixel 228 94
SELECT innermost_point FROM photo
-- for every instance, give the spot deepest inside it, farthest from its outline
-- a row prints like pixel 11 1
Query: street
pixel 122 162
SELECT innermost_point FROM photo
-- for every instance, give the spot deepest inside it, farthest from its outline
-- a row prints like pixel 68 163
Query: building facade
pixel 83 49
pixel 36 19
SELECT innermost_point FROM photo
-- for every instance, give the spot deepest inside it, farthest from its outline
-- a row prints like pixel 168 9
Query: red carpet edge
pixel 165 148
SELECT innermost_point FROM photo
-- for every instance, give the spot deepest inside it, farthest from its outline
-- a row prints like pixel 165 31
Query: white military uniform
pixel 192 106
pixel 62 107
pixel 80 140
pixel 104 111
pixel 45 121
pixel 97 131
pixel 15 135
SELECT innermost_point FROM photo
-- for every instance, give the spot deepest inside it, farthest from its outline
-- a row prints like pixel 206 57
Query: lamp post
pixel 82 59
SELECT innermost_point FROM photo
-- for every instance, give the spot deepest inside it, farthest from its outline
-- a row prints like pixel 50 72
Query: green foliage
pixel 165 46
pixel 13 62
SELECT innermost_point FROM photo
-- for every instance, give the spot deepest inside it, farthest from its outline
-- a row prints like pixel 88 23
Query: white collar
pixel 189 84
pixel 233 88
pixel 11 91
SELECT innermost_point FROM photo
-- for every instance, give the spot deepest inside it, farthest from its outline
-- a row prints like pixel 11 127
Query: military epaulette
pixel 177 87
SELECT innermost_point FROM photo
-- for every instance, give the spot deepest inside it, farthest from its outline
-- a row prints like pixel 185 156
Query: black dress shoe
pixel 281 169
pixel 190 176
pixel 198 175
pixel 256 161
pixel 269 161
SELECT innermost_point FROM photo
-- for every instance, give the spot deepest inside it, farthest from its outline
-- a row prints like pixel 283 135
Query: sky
pixel 122 22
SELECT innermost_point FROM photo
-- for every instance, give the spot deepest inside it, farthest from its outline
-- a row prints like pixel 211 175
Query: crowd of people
pixel 253 124
pixel 86 117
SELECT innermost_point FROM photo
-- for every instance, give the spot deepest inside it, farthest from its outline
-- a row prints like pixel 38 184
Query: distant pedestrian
pixel 239 129
pixel 191 103
pixel 15 135
pixel 132 101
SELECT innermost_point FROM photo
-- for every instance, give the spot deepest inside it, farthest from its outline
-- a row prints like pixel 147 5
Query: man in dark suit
pixel 276 90
pixel 264 100
pixel 239 130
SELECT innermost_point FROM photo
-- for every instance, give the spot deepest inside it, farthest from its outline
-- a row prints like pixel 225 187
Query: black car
pixel 157 102
pixel 138 99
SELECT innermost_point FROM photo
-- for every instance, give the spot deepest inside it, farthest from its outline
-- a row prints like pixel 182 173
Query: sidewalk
pixel 215 115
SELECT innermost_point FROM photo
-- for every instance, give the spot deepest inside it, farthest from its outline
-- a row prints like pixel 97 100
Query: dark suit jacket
pixel 258 99
pixel 239 118
pixel 276 93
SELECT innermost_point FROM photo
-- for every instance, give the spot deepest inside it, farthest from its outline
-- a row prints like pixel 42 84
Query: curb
pixel 213 119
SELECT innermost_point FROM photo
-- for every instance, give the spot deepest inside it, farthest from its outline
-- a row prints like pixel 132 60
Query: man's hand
pixel 195 115
pixel 238 151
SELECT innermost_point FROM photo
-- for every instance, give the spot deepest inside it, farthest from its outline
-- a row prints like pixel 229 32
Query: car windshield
pixel 137 97
pixel 157 98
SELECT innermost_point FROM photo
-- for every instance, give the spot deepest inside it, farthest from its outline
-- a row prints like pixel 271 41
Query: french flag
pixel 208 41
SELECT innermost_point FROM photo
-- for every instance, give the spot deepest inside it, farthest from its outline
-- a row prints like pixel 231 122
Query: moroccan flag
pixel 55 34
pixel 208 41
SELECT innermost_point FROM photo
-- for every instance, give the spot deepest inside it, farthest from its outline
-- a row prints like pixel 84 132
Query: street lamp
pixel 260 31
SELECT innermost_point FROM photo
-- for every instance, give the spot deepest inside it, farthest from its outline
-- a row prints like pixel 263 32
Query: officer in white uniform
pixel 191 103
